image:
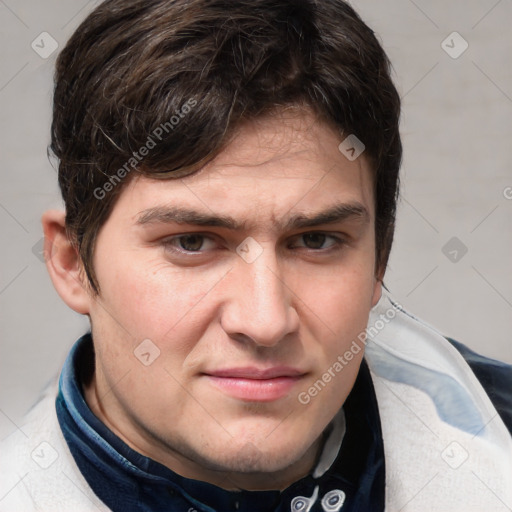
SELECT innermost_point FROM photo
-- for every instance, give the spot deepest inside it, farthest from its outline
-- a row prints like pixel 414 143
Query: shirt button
pixel 299 504
pixel 333 500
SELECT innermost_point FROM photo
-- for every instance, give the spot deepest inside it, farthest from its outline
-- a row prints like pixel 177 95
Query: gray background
pixel 457 179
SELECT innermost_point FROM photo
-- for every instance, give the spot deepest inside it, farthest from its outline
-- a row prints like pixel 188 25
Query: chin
pixel 259 457
pixel 250 459
pixel 244 457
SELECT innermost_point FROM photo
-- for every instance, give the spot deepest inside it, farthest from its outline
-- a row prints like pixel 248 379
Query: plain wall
pixel 456 180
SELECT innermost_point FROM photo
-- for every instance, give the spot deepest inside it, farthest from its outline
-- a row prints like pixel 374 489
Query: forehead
pixel 273 167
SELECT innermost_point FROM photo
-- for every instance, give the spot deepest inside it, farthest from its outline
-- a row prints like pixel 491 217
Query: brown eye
pixel 314 240
pixel 191 243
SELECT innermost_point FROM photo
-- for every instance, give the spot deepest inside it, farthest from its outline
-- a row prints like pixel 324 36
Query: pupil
pixel 314 240
pixel 191 242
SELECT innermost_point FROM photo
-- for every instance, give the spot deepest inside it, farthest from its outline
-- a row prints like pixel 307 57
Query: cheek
pixel 141 301
pixel 342 300
pixel 150 299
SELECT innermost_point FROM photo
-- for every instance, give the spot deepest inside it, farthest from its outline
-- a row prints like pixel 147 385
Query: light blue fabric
pixel 453 403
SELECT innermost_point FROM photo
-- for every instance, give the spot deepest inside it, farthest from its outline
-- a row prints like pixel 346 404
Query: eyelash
pixel 173 242
pixel 170 243
pixel 338 242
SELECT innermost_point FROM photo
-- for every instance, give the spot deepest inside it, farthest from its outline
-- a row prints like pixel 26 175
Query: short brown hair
pixel 194 70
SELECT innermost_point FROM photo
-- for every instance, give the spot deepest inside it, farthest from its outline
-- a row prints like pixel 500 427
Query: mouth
pixel 254 384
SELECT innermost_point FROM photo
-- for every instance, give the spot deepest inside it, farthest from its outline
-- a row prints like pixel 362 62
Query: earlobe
pixel 64 264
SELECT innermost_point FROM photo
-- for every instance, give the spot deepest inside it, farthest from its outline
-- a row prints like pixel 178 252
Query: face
pixel 246 280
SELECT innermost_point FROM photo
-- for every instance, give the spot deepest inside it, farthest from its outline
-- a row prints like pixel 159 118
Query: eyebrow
pixel 337 213
pixel 179 215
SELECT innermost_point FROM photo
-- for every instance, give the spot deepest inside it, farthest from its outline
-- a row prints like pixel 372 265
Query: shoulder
pixel 494 376
pixel 19 454
pixel 37 470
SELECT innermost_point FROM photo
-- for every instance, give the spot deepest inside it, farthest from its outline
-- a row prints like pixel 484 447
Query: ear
pixel 64 264
pixel 377 287
pixel 377 291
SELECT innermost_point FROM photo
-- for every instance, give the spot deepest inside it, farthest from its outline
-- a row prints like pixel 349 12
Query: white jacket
pixel 446 448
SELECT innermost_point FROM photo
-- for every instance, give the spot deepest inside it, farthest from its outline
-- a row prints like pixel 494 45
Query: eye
pixel 317 241
pixel 193 242
pixel 314 240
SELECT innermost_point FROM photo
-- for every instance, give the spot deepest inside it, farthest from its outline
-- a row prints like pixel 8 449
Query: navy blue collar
pixel 127 481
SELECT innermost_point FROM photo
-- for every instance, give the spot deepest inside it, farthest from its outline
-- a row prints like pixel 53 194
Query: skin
pixel 185 287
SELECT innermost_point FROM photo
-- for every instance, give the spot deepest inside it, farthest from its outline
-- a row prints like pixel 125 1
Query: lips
pixel 255 384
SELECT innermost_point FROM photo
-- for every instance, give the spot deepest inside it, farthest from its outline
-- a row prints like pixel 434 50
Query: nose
pixel 259 306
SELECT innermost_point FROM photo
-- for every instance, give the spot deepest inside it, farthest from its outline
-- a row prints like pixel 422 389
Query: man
pixel 230 174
